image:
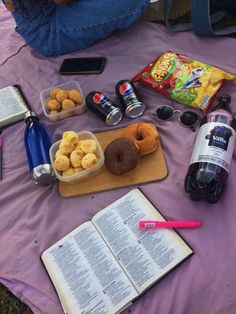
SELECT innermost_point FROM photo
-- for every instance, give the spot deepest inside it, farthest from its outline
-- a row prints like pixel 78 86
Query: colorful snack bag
pixel 184 80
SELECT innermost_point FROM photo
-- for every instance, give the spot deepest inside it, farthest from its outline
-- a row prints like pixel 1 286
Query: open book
pixel 108 262
pixel 12 105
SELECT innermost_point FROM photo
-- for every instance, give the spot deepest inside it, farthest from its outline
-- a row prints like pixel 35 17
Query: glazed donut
pixel 121 156
pixel 143 135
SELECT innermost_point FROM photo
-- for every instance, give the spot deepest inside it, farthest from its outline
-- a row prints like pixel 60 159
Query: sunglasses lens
pixel 189 118
pixel 164 112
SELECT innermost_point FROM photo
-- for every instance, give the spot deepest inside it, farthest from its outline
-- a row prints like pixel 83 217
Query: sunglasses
pixel 188 119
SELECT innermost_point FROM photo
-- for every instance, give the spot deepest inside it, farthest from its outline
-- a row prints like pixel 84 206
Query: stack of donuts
pixel 75 155
pixel 122 155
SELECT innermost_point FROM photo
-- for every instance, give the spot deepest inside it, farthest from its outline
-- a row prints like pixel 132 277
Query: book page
pixel 86 275
pixel 11 105
pixel 146 255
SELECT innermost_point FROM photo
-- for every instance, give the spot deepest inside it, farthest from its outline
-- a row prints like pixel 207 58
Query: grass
pixel 9 304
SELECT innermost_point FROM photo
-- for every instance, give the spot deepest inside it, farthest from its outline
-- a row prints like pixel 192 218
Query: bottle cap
pixel 225 98
pixel 43 174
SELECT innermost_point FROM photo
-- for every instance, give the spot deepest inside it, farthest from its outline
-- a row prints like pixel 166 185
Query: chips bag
pixel 184 80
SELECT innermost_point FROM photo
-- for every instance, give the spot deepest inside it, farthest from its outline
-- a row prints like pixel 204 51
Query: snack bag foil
pixel 184 80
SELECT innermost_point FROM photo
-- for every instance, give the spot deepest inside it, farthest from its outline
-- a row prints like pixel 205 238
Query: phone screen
pixel 90 65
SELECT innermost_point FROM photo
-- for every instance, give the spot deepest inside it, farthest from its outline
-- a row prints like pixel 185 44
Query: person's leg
pixel 63 29
pixel 35 23
pixel 84 22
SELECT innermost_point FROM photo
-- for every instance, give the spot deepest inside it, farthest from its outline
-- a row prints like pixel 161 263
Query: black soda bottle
pixel 210 162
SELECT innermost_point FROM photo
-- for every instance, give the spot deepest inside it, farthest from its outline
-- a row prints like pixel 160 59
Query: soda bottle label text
pixel 214 144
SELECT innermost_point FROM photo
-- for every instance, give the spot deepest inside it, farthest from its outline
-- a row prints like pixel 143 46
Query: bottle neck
pixel 31 117
pixel 220 115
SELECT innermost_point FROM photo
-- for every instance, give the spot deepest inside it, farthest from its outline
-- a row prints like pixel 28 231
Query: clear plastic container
pixel 85 174
pixel 45 94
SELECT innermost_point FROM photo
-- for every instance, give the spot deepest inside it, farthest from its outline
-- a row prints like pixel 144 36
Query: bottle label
pixel 214 144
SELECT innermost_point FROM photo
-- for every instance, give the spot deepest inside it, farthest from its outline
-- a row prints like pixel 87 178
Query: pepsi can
pixel 104 108
pixel 127 94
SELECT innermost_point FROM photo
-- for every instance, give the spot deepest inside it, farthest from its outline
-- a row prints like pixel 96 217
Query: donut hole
pixel 120 157
pixel 139 137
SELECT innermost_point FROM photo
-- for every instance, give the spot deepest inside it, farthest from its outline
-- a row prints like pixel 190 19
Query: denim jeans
pixel 55 30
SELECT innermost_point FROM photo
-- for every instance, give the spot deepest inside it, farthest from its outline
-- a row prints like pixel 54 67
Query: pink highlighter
pixel 150 224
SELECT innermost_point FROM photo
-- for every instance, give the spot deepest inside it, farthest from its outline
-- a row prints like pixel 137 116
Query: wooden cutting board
pixel 152 167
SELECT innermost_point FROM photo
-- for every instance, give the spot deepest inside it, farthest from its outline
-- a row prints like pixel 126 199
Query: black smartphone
pixel 90 65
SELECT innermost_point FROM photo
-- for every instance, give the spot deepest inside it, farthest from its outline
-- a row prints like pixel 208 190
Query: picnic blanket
pixel 34 217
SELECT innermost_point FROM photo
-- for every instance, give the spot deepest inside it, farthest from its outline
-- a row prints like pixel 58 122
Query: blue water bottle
pixel 37 145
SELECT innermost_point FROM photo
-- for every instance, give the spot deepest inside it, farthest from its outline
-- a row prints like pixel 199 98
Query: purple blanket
pixel 34 217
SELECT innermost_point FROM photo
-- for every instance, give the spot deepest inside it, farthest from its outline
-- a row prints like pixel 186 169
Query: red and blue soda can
pixel 131 102
pixel 104 108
